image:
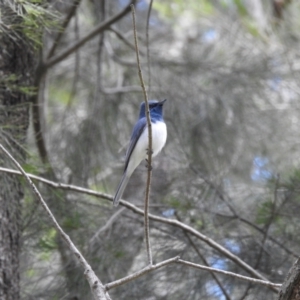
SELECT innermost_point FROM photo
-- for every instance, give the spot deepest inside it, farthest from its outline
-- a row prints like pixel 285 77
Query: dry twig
pixel 149 161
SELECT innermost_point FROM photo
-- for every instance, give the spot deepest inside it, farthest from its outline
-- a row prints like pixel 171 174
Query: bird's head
pixel 155 107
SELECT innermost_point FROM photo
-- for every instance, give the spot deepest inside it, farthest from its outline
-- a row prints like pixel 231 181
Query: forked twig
pixel 146 217
pixel 140 273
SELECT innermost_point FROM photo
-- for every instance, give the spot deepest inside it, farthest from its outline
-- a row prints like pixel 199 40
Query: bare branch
pixel 63 27
pixel 269 223
pixel 123 38
pixel 107 224
pixel 116 58
pixel 100 28
pixel 96 285
pixel 147 44
pixel 140 273
pixel 39 79
pixel 149 161
pixel 245 278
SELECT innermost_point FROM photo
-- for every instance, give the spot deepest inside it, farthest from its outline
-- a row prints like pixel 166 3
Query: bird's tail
pixel 120 190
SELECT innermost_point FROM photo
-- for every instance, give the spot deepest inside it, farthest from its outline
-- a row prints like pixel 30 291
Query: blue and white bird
pixel 138 146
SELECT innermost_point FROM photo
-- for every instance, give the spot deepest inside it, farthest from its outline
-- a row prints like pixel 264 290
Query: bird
pixel 139 142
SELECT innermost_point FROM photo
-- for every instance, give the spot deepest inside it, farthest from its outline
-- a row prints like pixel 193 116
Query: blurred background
pixel 230 168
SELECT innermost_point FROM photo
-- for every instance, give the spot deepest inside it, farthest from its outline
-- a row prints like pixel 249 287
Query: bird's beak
pixel 162 102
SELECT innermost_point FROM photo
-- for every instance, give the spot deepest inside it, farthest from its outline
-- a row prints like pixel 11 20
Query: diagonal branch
pixel 140 273
pixel 242 277
pixel 96 285
pixel 108 224
pixel 63 27
pixel 122 38
pixel 100 28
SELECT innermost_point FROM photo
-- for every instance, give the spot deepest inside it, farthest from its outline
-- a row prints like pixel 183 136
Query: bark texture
pixel 290 289
pixel 16 65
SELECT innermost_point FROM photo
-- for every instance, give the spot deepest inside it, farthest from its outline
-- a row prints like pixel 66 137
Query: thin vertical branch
pixel 146 217
pixel 147 45
pixel 76 69
pixel 98 85
pixel 269 222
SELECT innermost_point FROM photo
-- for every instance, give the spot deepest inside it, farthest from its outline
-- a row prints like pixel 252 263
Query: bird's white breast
pixel 159 138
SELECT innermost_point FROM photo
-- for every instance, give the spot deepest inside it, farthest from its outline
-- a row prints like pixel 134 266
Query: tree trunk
pixel 16 64
pixel 290 289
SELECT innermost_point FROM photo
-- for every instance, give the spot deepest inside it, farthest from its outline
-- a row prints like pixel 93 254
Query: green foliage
pixel 31 168
pixel 293 182
pixel 197 222
pixel 11 82
pixel 291 185
pixel 27 90
pixel 174 202
pixel 30 273
pixel 72 222
pixel 251 26
pixel 241 8
pixel 264 212
pixel 172 9
pixel 61 94
pixel 35 20
pixel 119 253
pixel 28 198
pixel 35 17
pixel 178 204
pixel 48 241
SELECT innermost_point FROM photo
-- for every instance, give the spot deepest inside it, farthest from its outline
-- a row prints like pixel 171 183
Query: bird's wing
pixel 138 129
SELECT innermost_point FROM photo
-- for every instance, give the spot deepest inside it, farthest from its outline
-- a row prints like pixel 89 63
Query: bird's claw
pixel 149 167
pixel 147 151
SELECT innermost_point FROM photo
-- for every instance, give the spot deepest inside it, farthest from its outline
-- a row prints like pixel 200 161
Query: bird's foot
pixel 149 167
pixel 147 151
